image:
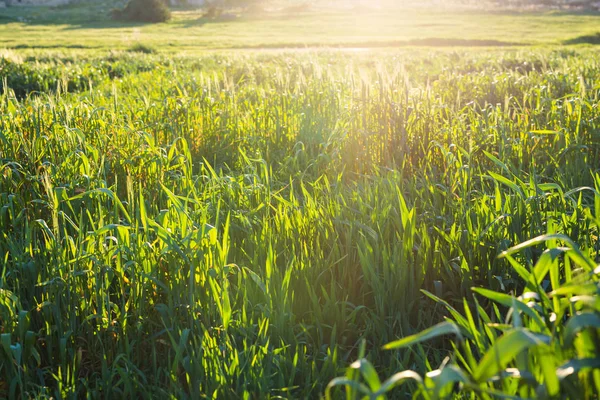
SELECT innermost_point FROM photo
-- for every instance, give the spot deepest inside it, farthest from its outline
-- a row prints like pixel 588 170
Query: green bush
pixel 142 48
pixel 143 11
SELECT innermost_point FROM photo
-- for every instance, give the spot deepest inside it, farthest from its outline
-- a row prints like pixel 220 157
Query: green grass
pixel 544 346
pixel 246 226
pixel 88 26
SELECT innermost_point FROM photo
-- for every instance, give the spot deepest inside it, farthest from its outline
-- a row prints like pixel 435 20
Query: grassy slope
pixel 88 27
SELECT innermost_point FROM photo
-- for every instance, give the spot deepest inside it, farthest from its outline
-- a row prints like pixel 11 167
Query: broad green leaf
pixel 455 314
pixel 536 241
pixel 505 350
pixel 575 366
pixel 497 161
pixel 547 361
pixel 398 379
pixel 342 381
pixel 368 373
pixel 443 328
pixel 580 322
pixel 507 301
pixel 450 374
pixel 507 182
pixel 573 252
pixel 256 279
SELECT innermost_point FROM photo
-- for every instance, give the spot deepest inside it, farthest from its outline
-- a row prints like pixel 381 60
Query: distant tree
pixel 144 11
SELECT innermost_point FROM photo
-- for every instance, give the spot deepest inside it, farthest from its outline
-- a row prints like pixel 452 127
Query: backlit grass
pixel 246 226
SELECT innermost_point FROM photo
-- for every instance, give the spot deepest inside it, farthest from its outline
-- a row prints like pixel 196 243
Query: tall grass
pixel 235 226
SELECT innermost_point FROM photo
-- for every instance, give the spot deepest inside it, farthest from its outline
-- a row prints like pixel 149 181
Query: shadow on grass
pixel 585 39
pixel 57 46
pixel 201 21
pixel 72 25
pixel 229 18
pixel 443 42
pixel 71 16
pixel 425 42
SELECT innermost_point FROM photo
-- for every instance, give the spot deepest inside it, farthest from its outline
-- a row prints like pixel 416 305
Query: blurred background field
pixel 297 25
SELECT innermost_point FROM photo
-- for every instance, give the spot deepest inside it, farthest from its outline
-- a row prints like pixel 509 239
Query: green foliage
pixel 143 11
pixel 24 77
pixel 545 346
pixel 142 48
pixel 585 39
pixel 247 225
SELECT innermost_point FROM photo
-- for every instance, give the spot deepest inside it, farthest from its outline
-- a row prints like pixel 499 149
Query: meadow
pixel 247 226
pixel 402 222
pixel 87 26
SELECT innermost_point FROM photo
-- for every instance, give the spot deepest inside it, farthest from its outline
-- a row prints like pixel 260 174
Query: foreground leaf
pixel 444 328
pixel 505 350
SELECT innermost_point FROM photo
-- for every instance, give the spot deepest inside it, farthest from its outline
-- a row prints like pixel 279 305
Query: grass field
pixel 90 28
pixel 403 222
